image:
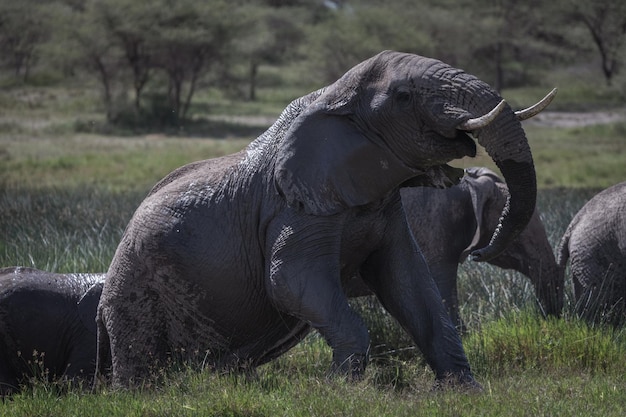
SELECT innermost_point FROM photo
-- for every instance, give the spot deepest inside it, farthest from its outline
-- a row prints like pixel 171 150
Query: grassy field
pixel 67 191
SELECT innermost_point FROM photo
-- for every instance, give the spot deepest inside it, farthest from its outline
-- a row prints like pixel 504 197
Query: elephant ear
pixel 87 306
pixel 326 164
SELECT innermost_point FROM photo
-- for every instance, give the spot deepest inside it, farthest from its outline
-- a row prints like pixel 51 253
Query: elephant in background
pixel 595 245
pixel 47 326
pixel 450 223
pixel 231 261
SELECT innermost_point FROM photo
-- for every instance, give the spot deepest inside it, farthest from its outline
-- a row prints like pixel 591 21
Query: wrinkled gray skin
pixel 450 223
pixel 231 261
pixel 595 244
pixel 51 314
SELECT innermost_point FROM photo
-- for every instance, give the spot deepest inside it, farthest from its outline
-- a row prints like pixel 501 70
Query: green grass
pixel 97 161
pixel 294 385
pixel 521 342
pixel 66 196
pixel 582 157
pixel 574 157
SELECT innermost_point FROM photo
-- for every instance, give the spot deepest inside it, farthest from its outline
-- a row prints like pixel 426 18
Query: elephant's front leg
pixel 304 281
pixel 398 274
pixel 445 275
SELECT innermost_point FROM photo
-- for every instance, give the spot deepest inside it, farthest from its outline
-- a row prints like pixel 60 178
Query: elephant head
pixel 392 118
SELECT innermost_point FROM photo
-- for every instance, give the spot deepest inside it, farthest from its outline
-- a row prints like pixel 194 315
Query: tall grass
pixel 522 342
pixel 63 230
pixel 294 385
pixel 66 198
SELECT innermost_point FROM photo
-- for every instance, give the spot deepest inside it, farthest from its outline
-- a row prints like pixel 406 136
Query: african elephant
pixel 450 223
pixel 231 261
pixel 595 244
pixel 47 325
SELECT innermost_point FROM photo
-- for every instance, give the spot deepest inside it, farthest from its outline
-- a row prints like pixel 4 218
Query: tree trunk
pixel 254 69
pixel 499 83
pixel 106 84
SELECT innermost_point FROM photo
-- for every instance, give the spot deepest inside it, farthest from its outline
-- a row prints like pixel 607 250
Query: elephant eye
pixel 403 97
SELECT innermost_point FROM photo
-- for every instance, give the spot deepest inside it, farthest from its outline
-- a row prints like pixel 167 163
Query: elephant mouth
pixel 460 146
pixel 466 144
pixel 442 150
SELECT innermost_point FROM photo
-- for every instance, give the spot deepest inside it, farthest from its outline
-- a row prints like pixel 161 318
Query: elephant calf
pixel 595 245
pixel 47 325
pixel 450 223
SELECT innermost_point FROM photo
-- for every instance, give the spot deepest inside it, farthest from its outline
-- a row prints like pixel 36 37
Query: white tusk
pixel 482 121
pixel 537 108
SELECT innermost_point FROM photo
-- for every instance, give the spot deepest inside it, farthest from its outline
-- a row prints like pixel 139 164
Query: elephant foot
pixel 463 382
pixel 233 365
pixel 352 367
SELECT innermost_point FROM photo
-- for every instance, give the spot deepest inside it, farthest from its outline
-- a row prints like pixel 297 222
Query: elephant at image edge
pixel 47 326
pixel 595 244
pixel 231 261
pixel 450 223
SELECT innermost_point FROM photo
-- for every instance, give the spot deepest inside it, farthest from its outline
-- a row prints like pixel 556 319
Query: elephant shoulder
pixel 20 282
pixel 208 170
pixel 15 279
pixel 16 270
pixel 617 191
pixel 602 207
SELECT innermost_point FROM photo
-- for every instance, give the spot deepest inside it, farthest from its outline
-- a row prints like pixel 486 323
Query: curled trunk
pixel 506 143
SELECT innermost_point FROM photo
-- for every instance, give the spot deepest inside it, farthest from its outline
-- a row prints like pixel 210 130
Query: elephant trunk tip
pixel 485 254
pixel 505 233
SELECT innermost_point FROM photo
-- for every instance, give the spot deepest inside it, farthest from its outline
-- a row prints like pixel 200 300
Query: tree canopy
pixel 150 57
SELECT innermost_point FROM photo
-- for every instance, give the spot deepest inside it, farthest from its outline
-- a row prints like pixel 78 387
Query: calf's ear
pixel 87 306
pixel 487 201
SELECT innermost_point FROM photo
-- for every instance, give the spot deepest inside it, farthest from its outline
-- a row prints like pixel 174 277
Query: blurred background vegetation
pixel 147 60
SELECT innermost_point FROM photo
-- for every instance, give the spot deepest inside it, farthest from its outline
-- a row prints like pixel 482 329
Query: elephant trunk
pixel 539 265
pixel 506 143
pixel 549 289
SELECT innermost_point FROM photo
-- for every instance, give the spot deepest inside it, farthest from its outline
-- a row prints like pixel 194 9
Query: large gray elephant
pixel 231 261
pixel 450 223
pixel 595 244
pixel 47 326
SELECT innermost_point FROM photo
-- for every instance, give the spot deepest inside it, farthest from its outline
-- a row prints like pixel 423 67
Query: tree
pixel 351 33
pixel 505 38
pixel 606 22
pixel 272 36
pixel 191 39
pixel 98 53
pixel 163 47
pixel 130 24
pixel 23 27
